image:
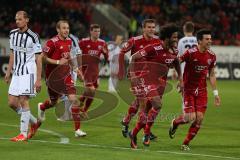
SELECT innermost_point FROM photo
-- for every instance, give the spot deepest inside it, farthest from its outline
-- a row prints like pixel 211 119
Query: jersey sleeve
pixel 37 48
pixel 147 51
pixel 49 48
pixel 127 46
pixel 213 63
pixel 185 57
pixel 11 41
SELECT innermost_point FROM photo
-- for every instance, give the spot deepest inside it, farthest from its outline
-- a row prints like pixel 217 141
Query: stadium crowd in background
pixel 204 13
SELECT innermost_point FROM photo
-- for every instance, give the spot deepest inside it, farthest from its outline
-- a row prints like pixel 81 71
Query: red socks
pixel 142 119
pixel 179 120
pixel 45 105
pixel 76 116
pixel 192 132
pixel 132 110
pixel 152 114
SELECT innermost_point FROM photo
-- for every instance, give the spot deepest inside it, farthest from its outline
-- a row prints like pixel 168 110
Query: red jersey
pixel 91 52
pixel 153 71
pixel 196 68
pixel 157 62
pixel 55 48
pixel 135 44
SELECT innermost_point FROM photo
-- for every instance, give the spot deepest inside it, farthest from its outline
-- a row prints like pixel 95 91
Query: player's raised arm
pixel 146 51
pixel 185 57
pixel 126 48
pixel 10 66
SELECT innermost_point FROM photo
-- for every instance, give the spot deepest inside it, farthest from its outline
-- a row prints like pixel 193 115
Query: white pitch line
pixel 140 150
pixel 63 139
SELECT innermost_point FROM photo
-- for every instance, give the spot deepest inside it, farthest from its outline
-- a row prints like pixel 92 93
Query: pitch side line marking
pixel 125 148
pixel 63 139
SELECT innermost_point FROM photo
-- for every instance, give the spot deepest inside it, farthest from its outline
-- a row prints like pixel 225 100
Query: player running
pixel 200 61
pixel 58 74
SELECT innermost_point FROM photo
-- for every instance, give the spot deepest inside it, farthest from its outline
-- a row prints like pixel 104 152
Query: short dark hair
pixel 201 32
pixel 168 30
pixel 188 26
pixel 93 26
pixel 148 21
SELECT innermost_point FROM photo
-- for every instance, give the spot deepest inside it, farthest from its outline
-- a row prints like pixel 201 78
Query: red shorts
pixel 57 88
pixel 195 101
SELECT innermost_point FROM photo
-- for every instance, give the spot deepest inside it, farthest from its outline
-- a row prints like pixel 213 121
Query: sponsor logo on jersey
pixel 93 52
pixel 158 48
pixel 169 60
pixel 200 68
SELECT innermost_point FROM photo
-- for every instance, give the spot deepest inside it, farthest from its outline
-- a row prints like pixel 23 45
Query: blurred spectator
pixel 221 16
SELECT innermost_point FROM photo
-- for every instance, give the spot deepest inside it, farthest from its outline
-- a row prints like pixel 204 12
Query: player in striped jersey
pixel 25 49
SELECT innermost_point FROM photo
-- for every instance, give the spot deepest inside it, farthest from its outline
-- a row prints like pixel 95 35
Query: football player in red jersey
pixel 200 61
pixel 149 78
pixel 58 74
pixel 92 48
pixel 133 45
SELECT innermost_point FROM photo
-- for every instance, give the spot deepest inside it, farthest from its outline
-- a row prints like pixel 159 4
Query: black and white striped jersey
pixel 24 46
pixel 75 50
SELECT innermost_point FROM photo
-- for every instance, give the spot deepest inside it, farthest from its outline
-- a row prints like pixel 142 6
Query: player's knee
pixel 190 117
pixel 199 119
pixel 12 103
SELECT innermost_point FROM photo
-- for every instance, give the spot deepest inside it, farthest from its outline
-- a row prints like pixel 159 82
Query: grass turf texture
pixel 218 137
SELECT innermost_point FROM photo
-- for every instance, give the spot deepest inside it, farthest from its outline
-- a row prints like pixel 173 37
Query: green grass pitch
pixel 218 138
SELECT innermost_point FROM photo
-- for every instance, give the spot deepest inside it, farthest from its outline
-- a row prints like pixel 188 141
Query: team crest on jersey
pixel 65 55
pixel 209 61
pixel 88 46
pixel 100 47
pixel 141 46
pixel 46 49
pixel 61 47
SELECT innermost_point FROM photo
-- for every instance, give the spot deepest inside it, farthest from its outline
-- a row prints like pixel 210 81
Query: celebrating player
pixel 25 50
pixel 135 44
pixel 199 61
pixel 149 79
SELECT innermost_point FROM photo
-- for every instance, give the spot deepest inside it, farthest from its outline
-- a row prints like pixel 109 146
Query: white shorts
pixel 22 85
